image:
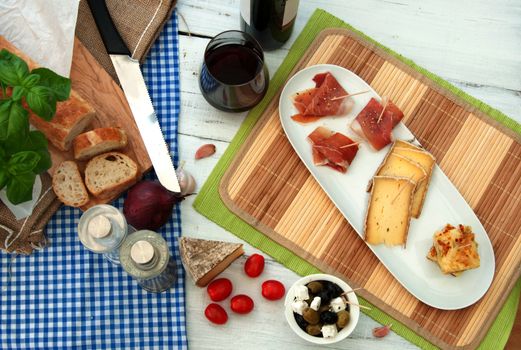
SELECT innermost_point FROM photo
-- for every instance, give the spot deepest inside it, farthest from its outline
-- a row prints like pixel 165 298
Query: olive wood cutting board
pixel 269 187
pixel 96 86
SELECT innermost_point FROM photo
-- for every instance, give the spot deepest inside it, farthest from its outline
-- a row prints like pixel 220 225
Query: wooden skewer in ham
pixel 349 95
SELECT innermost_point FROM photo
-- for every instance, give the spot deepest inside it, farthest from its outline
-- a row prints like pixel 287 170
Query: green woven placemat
pixel 209 202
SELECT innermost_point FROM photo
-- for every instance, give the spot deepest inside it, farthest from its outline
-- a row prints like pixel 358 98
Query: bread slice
pixel 204 259
pixel 97 141
pixel 389 211
pixel 427 161
pixel 398 165
pixel 110 172
pixel 68 184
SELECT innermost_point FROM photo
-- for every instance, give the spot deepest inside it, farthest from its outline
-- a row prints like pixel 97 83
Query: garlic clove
pixel 186 182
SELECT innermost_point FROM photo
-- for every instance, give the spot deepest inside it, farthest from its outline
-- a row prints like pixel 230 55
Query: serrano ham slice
pixel 332 149
pixel 375 124
pixel 327 98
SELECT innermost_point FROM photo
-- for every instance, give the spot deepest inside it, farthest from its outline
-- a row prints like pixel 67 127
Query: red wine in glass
pixel 234 77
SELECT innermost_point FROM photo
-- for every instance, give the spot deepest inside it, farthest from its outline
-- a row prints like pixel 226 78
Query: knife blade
pixel 135 90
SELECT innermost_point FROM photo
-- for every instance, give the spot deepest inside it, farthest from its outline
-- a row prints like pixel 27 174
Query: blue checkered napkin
pixel 65 297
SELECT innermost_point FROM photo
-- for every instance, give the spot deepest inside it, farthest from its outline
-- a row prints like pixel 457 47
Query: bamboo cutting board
pixel 269 187
pixel 96 86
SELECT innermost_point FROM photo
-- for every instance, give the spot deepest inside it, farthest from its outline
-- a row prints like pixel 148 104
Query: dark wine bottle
pixel 269 21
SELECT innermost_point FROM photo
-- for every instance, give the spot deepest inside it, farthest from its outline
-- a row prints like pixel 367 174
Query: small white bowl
pixel 354 310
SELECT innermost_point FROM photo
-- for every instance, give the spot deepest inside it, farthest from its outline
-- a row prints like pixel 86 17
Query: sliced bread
pixel 68 184
pixel 97 141
pixel 109 173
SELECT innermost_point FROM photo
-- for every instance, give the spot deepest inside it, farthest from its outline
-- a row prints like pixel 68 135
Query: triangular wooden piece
pixel 204 259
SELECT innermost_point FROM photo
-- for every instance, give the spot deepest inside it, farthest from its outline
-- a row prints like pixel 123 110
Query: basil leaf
pixel 3 154
pixel 14 121
pixel 37 142
pixel 20 188
pixel 60 86
pixel 22 162
pixel 4 178
pixel 18 93
pixel 5 114
pixel 31 80
pixel 13 69
pixel 42 102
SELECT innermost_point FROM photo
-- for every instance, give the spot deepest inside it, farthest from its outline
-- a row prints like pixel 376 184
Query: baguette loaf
pixel 97 141
pixel 110 173
pixel 68 184
pixel 71 118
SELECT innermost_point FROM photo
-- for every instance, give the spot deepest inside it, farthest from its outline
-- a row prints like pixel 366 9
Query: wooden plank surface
pixel 442 53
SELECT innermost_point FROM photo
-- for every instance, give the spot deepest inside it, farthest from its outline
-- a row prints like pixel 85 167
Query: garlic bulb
pixel 186 182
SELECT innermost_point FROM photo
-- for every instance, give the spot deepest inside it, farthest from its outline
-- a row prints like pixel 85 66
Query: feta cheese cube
pixel 315 304
pixel 329 331
pixel 301 292
pixel 299 306
pixel 337 304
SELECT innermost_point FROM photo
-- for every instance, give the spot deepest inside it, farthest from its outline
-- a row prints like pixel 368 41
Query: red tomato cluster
pixel 221 288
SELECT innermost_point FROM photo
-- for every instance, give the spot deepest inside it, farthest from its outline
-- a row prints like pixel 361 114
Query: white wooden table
pixel 475 45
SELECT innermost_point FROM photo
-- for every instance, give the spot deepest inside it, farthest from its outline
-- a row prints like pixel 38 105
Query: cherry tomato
pixel 216 314
pixel 254 265
pixel 219 289
pixel 273 290
pixel 241 304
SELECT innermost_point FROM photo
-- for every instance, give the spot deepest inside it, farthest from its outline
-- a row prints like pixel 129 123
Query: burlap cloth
pixel 139 22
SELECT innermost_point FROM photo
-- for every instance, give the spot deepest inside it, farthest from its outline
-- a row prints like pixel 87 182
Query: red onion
pixel 149 205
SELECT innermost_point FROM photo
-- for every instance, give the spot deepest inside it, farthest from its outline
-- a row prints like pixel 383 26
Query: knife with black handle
pixel 134 87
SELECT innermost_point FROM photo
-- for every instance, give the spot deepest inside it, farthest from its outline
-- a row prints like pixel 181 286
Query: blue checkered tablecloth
pixel 65 297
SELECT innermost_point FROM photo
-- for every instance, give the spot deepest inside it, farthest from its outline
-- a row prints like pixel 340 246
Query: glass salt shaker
pixel 102 229
pixel 144 255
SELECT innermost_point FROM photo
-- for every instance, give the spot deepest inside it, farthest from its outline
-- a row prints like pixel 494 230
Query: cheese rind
pixel 427 161
pixel 389 211
pixel 398 165
pixel 204 259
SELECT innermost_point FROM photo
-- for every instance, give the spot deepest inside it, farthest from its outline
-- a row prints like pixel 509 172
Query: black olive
pixel 336 290
pixel 333 289
pixel 301 321
pixel 325 297
pixel 328 317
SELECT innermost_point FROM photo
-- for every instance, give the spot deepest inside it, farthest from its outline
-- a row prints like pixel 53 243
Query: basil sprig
pixel 24 152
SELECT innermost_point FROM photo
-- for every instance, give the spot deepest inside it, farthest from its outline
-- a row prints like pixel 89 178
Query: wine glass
pixel 234 77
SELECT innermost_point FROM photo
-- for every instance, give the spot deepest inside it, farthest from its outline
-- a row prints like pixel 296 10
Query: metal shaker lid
pixel 142 252
pixel 102 228
pixel 136 248
pixel 99 226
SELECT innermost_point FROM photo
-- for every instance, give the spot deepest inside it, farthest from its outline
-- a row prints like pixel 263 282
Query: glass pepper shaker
pixel 102 229
pixel 144 255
